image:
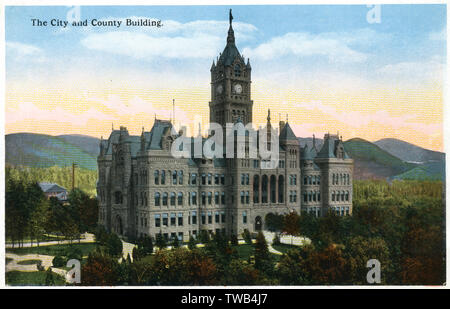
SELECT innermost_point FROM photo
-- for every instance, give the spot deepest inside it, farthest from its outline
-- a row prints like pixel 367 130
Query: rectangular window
pixel 194 217
pixel 222 179
pixel 180 219
pixel 217 217
pixel 244 217
pixel 180 236
pixel 209 217
pixel 216 179
pixel 223 198
pixel 203 218
pixel 165 217
pixel 223 216
pixel 203 179
pixel 173 220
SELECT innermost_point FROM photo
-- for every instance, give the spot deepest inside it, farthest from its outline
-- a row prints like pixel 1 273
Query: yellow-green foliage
pixel 84 179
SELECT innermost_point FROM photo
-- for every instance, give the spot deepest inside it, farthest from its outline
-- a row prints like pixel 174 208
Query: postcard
pixel 212 145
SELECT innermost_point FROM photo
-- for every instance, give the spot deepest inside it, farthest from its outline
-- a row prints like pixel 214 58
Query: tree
pixel 175 242
pixel 203 237
pixel 147 245
pixel 274 222
pixel 247 237
pixel 160 241
pixel 263 260
pixel 99 270
pixel 192 244
pixel 114 245
pixel 291 224
pixel 234 240
pixel 49 277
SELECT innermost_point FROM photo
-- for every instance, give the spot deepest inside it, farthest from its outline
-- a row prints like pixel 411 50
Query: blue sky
pixel 323 64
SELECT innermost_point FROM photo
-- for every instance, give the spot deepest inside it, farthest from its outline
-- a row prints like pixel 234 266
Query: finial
pixel 231 17
pixel 268 115
pixel 112 126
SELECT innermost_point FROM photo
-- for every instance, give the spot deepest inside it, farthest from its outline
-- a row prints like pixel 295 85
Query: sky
pixel 325 68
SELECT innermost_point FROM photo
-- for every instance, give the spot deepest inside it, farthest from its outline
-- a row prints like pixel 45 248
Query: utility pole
pixel 73 175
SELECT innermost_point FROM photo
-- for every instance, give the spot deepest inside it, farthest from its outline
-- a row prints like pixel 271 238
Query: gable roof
pixel 49 187
pixel 287 133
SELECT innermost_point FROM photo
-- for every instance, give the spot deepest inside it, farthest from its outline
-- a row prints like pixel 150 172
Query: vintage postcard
pixel 214 145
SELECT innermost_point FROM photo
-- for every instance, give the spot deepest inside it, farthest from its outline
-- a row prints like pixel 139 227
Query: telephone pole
pixel 73 175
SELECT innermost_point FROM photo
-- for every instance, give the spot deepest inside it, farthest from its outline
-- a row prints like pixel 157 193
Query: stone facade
pixel 143 190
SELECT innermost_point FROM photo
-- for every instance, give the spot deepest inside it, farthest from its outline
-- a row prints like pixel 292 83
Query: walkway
pixel 85 238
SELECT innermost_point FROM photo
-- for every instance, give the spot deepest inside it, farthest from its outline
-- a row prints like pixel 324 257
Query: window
pixel 242 197
pixel 216 179
pixel 180 198
pixel 157 220
pixel 242 179
pixel 244 217
pixel 217 218
pixel 209 179
pixel 174 177
pixel 237 70
pixel 163 177
pixel 157 199
pixel 194 198
pixel 216 198
pixel 223 198
pixel 209 198
pixel 203 218
pixel 346 196
pixel 255 163
pixel 203 198
pixel 180 236
pixel 180 219
pixel 165 196
pixel 172 198
pixel 203 179
pixel 180 177
pixel 223 216
pixel 333 196
pixel 156 177
pixel 222 179
pixel 173 219
pixel 194 217
pixel 209 217
pixel 247 197
pixel 193 179
pixel 165 217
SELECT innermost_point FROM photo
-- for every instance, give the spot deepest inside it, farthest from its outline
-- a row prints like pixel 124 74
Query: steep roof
pixel 287 133
pixel 49 187
pixel 160 127
pixel 328 149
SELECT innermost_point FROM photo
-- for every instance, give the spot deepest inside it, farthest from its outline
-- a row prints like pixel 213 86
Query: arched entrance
pixel 119 226
pixel 258 223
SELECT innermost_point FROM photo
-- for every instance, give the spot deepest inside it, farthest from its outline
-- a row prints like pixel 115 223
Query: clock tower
pixel 230 85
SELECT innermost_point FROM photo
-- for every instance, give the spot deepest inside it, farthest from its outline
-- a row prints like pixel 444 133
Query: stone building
pixel 143 190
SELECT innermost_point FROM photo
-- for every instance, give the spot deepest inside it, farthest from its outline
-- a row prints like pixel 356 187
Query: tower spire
pixel 230 38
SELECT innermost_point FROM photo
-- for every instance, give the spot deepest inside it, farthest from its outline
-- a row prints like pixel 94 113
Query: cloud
pixel 19 51
pixel 431 69
pixel 336 47
pixel 200 39
pixel 29 111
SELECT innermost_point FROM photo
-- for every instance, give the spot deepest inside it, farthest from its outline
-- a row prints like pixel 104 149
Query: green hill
pixel 427 171
pixel 373 162
pixel 40 150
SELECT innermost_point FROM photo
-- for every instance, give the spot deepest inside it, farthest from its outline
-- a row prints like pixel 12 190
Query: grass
pixel 30 278
pixel 283 248
pixel 54 249
pixel 28 262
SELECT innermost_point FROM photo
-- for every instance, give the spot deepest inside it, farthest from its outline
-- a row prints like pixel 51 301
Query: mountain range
pixel 384 159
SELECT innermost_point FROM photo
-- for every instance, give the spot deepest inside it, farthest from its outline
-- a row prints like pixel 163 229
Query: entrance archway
pixel 258 223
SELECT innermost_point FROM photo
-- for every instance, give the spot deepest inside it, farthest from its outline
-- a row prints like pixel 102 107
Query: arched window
pixel 172 198
pixel 180 198
pixel 174 177
pixel 342 195
pixel 264 189
pixel 194 198
pixel 280 189
pixel 157 199
pixel 156 177
pixel 209 198
pixel 273 184
pixel 346 196
pixel 256 189
pixel 163 177
pixel 180 177
pixel 164 200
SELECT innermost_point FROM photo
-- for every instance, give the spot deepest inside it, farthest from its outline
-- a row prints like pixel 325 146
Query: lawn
pixel 54 249
pixel 30 278
pixel 283 248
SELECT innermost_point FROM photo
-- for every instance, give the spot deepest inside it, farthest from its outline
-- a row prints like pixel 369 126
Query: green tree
pixel 263 259
pixel 160 241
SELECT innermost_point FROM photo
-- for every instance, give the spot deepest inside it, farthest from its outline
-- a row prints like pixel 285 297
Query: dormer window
pixel 237 70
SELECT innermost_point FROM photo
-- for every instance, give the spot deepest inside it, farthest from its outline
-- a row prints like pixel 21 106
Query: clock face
pixel 219 89
pixel 238 88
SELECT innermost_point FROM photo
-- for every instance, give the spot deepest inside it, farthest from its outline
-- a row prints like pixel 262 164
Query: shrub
pixel 192 243
pixel 74 253
pixel 234 240
pixel 59 261
pixel 247 237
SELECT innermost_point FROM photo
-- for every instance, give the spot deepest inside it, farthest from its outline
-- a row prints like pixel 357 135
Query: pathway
pixel 85 238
